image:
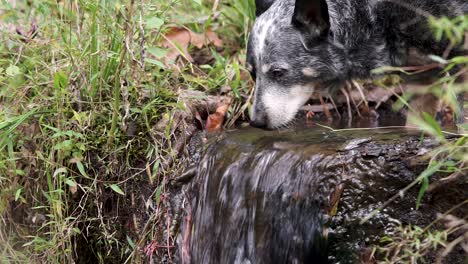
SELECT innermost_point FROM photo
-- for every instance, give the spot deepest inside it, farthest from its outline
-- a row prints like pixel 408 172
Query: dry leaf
pixel 73 189
pixel 215 121
pixel 182 38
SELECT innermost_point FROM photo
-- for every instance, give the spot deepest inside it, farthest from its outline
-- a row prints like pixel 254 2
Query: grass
pixel 83 165
pixel 81 95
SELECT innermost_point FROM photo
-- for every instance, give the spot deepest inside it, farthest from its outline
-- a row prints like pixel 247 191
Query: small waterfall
pixel 298 197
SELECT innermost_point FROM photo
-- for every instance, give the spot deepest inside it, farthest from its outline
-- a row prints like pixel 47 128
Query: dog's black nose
pixel 260 123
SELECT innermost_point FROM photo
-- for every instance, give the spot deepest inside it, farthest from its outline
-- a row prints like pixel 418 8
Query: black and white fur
pixel 305 46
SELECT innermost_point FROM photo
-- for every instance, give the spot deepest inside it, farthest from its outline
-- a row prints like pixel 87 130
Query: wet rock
pixel 270 197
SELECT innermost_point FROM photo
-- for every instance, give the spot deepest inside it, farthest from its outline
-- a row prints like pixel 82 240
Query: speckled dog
pixel 305 46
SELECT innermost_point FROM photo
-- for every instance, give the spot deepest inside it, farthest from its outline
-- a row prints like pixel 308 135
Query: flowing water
pixel 298 196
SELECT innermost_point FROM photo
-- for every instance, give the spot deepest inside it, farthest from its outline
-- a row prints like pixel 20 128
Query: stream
pixel 298 196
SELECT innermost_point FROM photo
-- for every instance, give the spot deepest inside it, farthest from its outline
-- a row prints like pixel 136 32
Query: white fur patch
pixel 281 104
pixel 266 68
pixel 309 72
pixel 265 26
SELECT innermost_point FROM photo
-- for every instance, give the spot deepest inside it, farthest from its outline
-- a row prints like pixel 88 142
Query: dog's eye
pixel 277 73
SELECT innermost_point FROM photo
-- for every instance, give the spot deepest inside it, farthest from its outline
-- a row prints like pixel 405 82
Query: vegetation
pixel 83 84
pixel 412 244
pixel 87 112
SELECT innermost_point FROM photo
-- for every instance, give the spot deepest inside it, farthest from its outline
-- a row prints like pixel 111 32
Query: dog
pixel 300 47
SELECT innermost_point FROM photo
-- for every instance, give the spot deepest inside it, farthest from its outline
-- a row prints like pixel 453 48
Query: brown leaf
pixel 183 38
pixel 215 121
pixel 73 189
pixel 177 37
pixel 214 39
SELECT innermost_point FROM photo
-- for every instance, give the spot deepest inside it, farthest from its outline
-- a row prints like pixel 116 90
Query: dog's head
pixel 290 57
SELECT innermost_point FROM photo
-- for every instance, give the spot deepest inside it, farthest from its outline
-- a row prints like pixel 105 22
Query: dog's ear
pixel 311 17
pixel 262 5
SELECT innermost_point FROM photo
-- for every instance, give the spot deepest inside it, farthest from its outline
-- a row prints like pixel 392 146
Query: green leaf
pixel 117 189
pixel 18 194
pixel 60 80
pixel 425 184
pixel 82 170
pixel 155 62
pixel 154 22
pixel 198 1
pixel 130 242
pixel 157 52
pixel 70 182
pixel 60 171
pixel 460 60
pixel 158 193
pixel 424 177
pixel 12 71
pixel 429 125
pixel 434 125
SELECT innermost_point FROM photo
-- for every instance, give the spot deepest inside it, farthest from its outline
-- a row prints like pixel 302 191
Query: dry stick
pixel 336 108
pixel 215 6
pixel 168 240
pixel 115 114
pixel 349 86
pixel 142 37
pixel 445 214
pixel 449 247
pixel 241 110
pixel 360 90
pixel 326 111
pixel 448 50
pixel 350 115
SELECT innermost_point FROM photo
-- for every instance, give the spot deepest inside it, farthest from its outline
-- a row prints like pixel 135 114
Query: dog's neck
pixel 362 50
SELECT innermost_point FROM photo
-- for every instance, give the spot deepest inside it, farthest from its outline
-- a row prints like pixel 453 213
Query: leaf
pixel 60 171
pixel 460 60
pixel 18 194
pixel 72 185
pixel 387 69
pixel 157 52
pixel 12 71
pixel 60 80
pixel 215 121
pixel 425 184
pixel 154 22
pixel 158 193
pixel 430 127
pixel 438 59
pixel 117 189
pixel 77 116
pixel 198 1
pixel 70 182
pixel 424 176
pixel 81 169
pixel 130 242
pixel 434 125
pixel 155 62
pixel 177 41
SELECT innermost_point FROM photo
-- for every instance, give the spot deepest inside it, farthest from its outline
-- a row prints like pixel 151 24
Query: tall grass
pixel 79 99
